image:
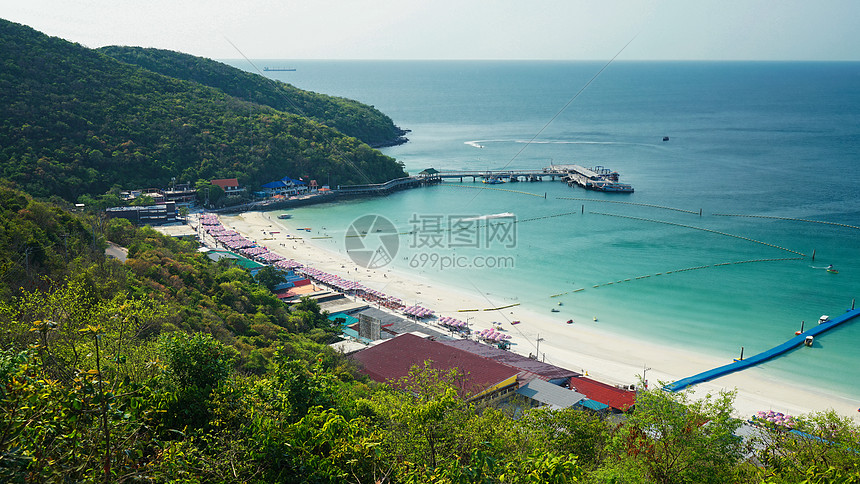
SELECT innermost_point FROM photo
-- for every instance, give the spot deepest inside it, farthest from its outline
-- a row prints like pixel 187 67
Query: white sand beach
pixel 583 346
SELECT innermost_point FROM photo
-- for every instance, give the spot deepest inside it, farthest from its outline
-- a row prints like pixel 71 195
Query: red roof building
pixel 529 368
pixel 229 185
pixel 392 359
pixel 618 399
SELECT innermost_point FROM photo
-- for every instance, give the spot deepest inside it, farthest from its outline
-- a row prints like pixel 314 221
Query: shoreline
pixel 604 355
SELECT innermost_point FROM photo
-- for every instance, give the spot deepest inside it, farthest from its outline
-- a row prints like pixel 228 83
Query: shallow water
pixel 779 140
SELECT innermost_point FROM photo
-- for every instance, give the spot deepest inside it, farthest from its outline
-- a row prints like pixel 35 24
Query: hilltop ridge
pixel 75 121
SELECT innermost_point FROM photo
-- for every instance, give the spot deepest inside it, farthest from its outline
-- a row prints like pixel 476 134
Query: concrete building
pixel 160 214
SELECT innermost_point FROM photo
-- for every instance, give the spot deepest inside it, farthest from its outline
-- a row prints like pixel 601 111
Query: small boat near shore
pixel 285 216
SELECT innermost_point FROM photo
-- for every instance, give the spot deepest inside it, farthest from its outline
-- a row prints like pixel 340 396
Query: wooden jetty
pixel 385 188
pixel 597 178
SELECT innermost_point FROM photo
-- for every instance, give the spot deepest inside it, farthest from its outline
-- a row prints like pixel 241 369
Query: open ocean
pixel 777 140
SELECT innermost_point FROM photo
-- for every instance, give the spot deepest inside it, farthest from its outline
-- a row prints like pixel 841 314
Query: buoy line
pixel 702 229
pixel 788 218
pixel 628 203
pixel 706 266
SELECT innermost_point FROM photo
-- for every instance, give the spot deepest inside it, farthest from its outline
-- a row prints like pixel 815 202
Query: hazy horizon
pixel 651 30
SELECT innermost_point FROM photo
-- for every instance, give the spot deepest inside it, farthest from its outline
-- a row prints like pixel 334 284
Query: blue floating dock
pixel 761 357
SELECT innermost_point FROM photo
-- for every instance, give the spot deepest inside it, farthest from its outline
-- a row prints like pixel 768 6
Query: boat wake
pixel 488 217
pixel 483 143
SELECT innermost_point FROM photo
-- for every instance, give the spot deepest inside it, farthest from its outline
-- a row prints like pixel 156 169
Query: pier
pixel 508 175
pixel 385 188
pixel 597 178
pixel 431 176
pixel 763 356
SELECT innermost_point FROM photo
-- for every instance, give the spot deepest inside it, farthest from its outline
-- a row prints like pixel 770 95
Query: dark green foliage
pixel 269 277
pixel 36 240
pixel 196 360
pixel 671 438
pixel 76 122
pixel 347 116
pixel 174 368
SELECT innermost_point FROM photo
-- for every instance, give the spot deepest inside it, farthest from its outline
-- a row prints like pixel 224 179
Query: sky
pixel 459 29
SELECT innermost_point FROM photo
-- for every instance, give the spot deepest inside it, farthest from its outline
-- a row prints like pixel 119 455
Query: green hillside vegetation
pixel 347 116
pixel 74 121
pixel 171 367
pixel 174 368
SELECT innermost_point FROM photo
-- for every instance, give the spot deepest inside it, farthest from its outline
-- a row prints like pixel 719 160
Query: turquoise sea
pixel 780 141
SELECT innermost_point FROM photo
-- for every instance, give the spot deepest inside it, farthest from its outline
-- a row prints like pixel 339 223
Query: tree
pixel 672 438
pixel 194 366
pixel 572 431
pixel 269 277
pixel 821 447
pixel 197 360
pixel 209 195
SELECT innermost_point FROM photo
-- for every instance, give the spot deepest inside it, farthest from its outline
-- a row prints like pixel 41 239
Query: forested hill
pixel 347 116
pixel 74 121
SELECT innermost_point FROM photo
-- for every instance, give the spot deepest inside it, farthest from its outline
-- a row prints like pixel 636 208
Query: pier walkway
pixel 597 178
pixel 384 188
pixel 763 356
pixel 511 175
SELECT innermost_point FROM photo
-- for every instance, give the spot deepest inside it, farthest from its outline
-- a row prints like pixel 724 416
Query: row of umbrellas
pixel 235 241
pixel 776 418
pixel 209 219
pixel 493 335
pixel 346 285
pixel 417 311
pixel 287 265
pixel 262 254
pixel 332 280
pixel 219 231
pixel 270 257
pixel 452 322
pixel 256 250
